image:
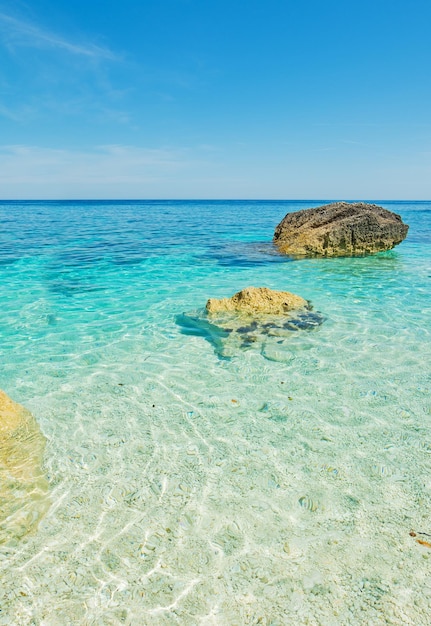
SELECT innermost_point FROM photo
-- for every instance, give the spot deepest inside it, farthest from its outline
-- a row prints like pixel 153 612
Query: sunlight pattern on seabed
pixel 288 483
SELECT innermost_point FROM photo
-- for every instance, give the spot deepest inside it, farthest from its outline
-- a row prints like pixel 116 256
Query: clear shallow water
pixel 277 487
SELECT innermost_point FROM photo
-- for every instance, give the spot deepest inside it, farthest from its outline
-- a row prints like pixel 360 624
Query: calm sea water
pixel 279 486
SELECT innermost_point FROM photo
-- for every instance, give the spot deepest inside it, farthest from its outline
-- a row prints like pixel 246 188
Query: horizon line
pixel 211 200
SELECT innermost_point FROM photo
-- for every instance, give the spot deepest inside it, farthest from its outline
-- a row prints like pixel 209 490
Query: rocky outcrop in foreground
pixel 255 317
pixel 23 485
pixel 340 229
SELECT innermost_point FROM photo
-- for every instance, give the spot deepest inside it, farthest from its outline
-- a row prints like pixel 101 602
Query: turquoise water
pixel 278 486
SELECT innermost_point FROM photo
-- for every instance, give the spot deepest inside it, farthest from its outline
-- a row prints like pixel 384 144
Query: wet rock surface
pixel 339 229
pixel 23 485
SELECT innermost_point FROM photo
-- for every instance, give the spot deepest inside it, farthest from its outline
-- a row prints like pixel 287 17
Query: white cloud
pixel 130 172
pixel 104 171
pixel 18 32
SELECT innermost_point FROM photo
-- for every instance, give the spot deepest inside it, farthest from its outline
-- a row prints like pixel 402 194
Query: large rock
pixel 340 229
pixel 23 485
pixel 255 317
pixel 259 300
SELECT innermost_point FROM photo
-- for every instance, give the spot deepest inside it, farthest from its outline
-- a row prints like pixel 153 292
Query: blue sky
pixel 215 99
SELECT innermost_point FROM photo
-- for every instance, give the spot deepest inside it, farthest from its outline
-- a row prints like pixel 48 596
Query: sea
pixel 286 481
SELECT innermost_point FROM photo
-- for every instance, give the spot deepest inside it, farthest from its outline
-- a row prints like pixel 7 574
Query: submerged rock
pixel 252 318
pixel 23 485
pixel 340 229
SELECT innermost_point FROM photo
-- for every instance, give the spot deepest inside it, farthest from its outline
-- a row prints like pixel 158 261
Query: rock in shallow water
pixel 23 485
pixel 257 300
pixel 251 318
pixel 340 229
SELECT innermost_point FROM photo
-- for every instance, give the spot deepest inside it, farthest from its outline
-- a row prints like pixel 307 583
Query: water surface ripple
pixel 279 486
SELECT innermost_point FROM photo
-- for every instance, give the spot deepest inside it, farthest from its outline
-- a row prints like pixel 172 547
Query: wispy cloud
pixel 17 32
pixel 350 142
pixel 9 113
pixel 326 149
pixel 102 162
pixel 101 171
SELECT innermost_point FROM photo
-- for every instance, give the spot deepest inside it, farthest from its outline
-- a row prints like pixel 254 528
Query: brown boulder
pixel 23 485
pixel 340 229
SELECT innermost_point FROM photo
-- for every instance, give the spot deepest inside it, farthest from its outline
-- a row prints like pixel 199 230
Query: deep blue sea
pixel 288 483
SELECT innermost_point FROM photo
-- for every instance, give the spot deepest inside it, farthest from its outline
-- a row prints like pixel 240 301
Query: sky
pixel 253 99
